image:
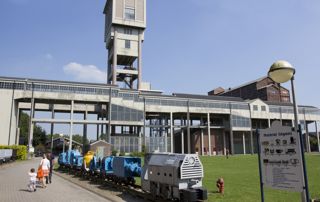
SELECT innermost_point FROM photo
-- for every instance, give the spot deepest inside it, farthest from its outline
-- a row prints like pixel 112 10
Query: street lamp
pixel 280 72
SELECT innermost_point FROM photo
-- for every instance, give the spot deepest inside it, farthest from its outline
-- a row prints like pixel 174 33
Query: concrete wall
pixel 7 122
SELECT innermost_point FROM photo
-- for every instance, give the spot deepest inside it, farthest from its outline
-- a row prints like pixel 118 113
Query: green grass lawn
pixel 241 179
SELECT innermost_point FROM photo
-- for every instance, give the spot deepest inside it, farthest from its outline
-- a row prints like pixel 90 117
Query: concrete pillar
pixel 209 133
pixel 144 123
pixel 17 125
pixel 231 136
pixel 139 61
pixel 244 142
pixel 171 131
pixel 269 123
pixel 71 124
pixel 85 130
pixel 31 149
pixel 115 52
pixel 97 128
pixel 224 143
pixel 202 148
pixel 307 137
pixel 109 116
pixel 251 134
pixel 52 127
pixel 139 140
pixel 317 133
pixel 251 141
pixel 182 140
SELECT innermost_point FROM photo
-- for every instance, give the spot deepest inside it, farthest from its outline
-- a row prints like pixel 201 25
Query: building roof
pixel 208 97
pixel 30 80
pixel 245 84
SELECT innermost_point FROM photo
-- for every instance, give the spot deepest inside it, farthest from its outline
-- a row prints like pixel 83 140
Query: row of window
pixel 239 121
pixel 120 113
pixel 256 108
pixel 54 88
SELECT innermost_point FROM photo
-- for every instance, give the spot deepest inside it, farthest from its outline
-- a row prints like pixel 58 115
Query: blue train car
pixel 95 165
pixel 106 167
pixel 62 159
pixel 78 162
pixel 127 168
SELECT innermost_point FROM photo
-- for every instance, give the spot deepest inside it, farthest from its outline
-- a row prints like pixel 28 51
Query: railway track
pixel 133 190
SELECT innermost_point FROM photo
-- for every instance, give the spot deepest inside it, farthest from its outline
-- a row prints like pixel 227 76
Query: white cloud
pixel 89 73
pixel 48 56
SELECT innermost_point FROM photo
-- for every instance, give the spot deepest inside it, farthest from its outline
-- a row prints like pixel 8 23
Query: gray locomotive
pixel 173 176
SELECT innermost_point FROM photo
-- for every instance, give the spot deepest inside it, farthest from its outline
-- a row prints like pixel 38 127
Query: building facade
pixel 134 119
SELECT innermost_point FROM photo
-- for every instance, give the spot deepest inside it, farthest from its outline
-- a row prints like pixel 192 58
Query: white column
pixel 251 140
pixel 244 142
pixel 307 137
pixel 171 131
pixel 317 133
pixel 71 124
pixel 52 127
pixel 209 133
pixel 31 125
pixel 139 60
pixel 202 148
pixel 140 135
pixel 115 52
pixel 182 141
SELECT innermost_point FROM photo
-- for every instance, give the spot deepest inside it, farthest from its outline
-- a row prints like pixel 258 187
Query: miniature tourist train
pixel 167 176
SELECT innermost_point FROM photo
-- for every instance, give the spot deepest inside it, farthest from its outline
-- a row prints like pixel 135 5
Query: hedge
pixel 21 150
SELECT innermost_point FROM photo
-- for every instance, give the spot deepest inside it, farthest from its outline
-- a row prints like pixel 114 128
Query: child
pixel 33 178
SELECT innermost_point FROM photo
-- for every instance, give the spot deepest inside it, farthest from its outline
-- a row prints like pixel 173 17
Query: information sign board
pixel 280 158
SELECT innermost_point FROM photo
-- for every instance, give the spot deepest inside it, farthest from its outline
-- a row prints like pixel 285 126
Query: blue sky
pixel 190 46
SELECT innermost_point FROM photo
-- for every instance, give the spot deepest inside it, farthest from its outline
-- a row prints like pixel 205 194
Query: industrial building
pixel 137 117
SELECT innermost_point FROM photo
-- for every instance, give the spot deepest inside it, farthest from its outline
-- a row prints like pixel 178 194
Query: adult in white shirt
pixel 45 165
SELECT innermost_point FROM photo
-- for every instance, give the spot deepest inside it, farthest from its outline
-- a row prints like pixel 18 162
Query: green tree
pixel 39 134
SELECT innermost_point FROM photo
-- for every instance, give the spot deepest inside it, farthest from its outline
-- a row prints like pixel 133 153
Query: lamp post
pixel 280 72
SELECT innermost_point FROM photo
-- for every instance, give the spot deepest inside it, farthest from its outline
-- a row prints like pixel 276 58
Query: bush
pixel 137 154
pixel 122 154
pixel 21 150
pixel 114 152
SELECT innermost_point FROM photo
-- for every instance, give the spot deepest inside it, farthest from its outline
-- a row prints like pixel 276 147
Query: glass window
pixel 263 108
pixel 127 44
pixel 128 31
pixel 129 13
pixel 255 107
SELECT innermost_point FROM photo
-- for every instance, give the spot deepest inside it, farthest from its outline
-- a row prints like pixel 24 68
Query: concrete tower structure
pixel 125 22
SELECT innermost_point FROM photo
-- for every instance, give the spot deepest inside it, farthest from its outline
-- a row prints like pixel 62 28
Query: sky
pixel 191 46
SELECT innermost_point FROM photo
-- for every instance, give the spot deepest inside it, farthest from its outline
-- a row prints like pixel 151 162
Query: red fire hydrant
pixel 220 185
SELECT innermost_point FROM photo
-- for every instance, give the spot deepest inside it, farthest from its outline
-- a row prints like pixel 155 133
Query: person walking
pixel 45 165
pixel 51 159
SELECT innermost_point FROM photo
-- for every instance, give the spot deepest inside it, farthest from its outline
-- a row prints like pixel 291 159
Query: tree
pixel 39 134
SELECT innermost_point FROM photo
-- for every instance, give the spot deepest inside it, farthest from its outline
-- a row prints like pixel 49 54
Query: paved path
pixel 14 180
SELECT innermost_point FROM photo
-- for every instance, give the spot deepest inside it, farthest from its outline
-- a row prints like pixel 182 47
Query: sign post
pixel 280 159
